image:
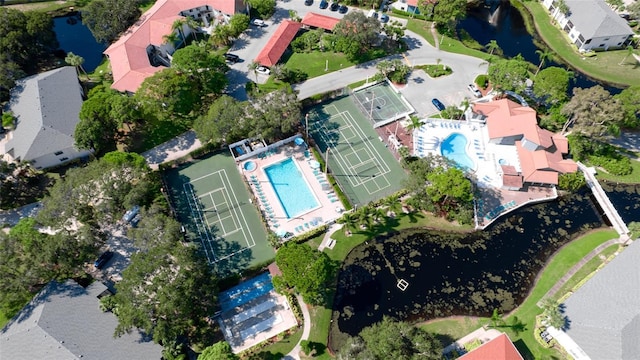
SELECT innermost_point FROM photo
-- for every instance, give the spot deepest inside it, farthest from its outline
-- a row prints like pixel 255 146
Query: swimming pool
pixel 454 148
pixel 292 190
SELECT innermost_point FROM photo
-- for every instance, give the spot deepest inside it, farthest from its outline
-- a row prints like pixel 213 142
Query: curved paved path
pixel 306 329
pixel 593 253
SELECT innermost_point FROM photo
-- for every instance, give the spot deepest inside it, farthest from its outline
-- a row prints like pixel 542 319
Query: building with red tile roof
pixel 278 43
pixel 142 50
pixel 499 348
pixel 541 153
pixel 320 21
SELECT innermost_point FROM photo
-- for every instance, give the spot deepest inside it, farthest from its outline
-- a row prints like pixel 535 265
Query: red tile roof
pixel 128 55
pixel 507 118
pixel 543 166
pixel 282 37
pixel 500 348
pixel 320 21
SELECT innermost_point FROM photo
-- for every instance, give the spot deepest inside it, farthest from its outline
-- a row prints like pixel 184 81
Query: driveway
pixel 13 216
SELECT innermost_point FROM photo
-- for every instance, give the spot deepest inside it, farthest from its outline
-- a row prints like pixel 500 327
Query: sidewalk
pixel 173 149
pixel 295 353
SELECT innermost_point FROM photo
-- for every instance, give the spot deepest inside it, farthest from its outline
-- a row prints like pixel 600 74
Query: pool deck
pixel 494 201
pixel 329 209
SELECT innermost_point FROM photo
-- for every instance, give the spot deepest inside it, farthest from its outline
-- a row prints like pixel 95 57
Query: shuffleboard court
pixel 365 169
pixel 213 204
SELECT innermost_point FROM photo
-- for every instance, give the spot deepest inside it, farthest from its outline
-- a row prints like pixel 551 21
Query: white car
pixel 474 89
pixel 258 22
pixel 263 70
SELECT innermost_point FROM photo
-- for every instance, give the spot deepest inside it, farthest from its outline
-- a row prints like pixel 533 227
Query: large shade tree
pixel 274 115
pixel 107 19
pixel 355 34
pixel 509 74
pixel 552 84
pixel 224 121
pixel 593 113
pixel 629 99
pixel 307 271
pixel 390 339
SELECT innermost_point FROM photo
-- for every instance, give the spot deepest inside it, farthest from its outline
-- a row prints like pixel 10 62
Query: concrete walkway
pixel 327 241
pixel 306 329
pixel 173 149
pixel 560 283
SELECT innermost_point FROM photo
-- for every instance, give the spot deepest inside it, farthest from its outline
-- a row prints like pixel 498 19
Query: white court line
pixel 230 198
pixel 191 196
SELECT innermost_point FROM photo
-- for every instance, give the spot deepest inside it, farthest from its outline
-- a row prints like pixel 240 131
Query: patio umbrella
pixel 314 164
pixel 298 141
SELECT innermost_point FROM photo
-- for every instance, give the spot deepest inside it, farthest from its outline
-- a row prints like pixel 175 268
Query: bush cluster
pixel 615 165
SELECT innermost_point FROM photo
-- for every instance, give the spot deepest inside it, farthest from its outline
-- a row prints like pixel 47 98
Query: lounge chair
pixel 306 225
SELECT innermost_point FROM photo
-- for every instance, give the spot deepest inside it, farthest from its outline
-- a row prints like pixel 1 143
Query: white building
pixel 591 24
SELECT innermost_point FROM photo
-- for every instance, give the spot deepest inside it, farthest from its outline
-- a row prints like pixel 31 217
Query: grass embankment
pixel 605 66
pixel 559 264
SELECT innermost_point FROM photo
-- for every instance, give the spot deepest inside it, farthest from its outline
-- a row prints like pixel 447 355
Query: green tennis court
pixel 381 104
pixel 211 201
pixel 358 159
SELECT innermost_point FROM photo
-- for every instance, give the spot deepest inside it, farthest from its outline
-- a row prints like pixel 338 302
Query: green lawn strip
pixel 314 63
pixel 633 178
pixel 447 44
pixel 278 350
pixel 561 262
pixel 586 271
pixel 272 85
pixel 605 66
pixel 453 328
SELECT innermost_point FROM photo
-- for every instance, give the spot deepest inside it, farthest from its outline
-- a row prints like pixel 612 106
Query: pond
pixel 76 37
pixel 454 274
pixel 499 21
pixel 625 198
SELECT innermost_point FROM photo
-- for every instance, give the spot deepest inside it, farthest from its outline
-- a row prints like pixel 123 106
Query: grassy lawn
pixel 605 66
pixel 314 63
pixel 278 350
pixel 526 313
pixel 423 28
pixel 586 271
pixel 633 178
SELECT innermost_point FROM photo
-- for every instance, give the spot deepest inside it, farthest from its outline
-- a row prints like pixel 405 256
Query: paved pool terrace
pixel 486 171
pixel 328 206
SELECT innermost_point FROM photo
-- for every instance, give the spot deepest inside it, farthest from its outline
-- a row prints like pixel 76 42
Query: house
pixel 278 43
pixel 540 153
pixel 591 24
pixel 604 314
pixel 318 21
pixel 64 321
pixel 498 348
pixel 46 107
pixel 145 48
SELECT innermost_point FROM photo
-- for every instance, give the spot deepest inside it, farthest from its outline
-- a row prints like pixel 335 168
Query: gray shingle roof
pixel 594 18
pixel 46 106
pixel 64 321
pixel 604 314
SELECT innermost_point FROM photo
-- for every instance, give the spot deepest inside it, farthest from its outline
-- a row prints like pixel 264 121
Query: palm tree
pixel 221 35
pixel 562 7
pixel 551 311
pixel 171 39
pixel 492 46
pixel 178 25
pixel 416 123
pixel 363 215
pixel 76 61
pixel 543 55
pixel 348 221
pixel 392 204
pixel 629 53
pixel 254 67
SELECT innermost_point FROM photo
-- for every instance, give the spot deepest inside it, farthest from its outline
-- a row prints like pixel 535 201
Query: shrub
pixel 8 119
pixel 571 181
pixel 406 14
pixel 618 166
pixel 482 81
pixel 306 346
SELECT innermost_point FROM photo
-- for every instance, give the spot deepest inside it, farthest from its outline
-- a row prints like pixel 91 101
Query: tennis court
pixel 381 104
pixel 358 159
pixel 213 204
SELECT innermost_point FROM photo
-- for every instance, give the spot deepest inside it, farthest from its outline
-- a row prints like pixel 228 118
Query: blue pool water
pixel 245 292
pixel 454 148
pixel 250 165
pixel 291 188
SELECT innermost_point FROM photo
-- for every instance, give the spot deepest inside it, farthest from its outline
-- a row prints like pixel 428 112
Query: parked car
pixel 372 14
pixel 130 214
pixel 474 89
pixel 232 58
pixel 258 22
pixel 324 4
pixel 384 18
pixel 263 70
pixel 135 221
pixel 343 9
pixel 438 104
pixel 103 259
pixel 334 6
pixel 308 2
